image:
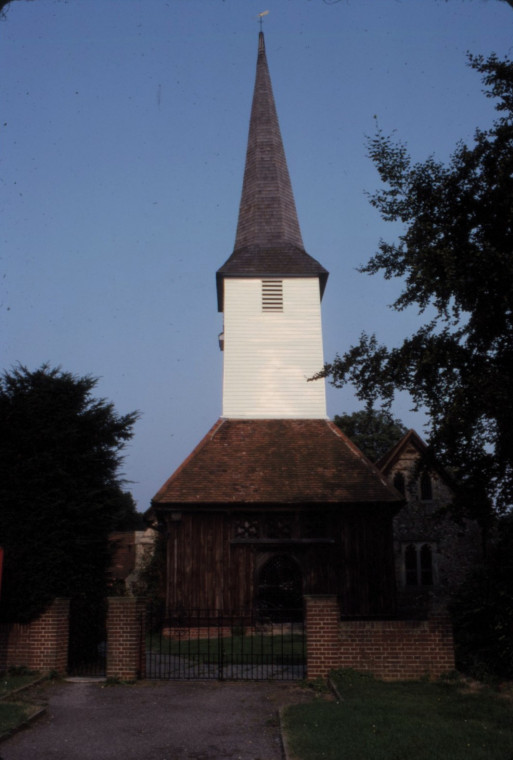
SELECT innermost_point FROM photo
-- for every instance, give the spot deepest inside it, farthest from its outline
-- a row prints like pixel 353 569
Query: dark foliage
pixel 124 512
pixel 374 431
pixel 4 7
pixel 482 612
pixel 60 492
pixel 455 257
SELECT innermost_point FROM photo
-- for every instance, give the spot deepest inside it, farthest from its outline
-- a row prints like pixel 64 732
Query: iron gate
pixel 214 644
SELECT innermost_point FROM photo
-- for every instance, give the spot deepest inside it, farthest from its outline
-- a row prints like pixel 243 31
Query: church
pixel 275 502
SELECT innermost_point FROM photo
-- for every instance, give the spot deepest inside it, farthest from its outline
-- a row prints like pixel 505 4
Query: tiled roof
pixel 277 462
pixel 268 228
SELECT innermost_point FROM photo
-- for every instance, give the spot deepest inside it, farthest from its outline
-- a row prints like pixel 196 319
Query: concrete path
pixel 156 720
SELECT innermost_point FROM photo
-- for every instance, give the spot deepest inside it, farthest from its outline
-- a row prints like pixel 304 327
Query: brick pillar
pixel 322 619
pixel 440 626
pixel 40 645
pixel 126 653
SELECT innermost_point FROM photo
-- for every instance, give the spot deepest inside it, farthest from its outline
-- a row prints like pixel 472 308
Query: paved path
pixel 152 720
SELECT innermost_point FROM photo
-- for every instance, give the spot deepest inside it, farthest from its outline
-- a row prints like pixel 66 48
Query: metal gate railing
pixel 214 644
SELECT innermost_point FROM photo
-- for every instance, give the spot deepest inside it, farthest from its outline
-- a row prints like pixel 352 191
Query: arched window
pixel 426 488
pixel 426 565
pixel 280 586
pixel 410 565
pixel 418 565
pixel 399 482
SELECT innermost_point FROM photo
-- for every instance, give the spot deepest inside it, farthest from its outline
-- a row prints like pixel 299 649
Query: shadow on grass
pixel 16 707
pixel 402 720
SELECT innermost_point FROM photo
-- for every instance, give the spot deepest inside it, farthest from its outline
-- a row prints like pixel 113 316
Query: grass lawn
pixel 15 679
pixel 233 649
pixel 402 721
pixel 13 714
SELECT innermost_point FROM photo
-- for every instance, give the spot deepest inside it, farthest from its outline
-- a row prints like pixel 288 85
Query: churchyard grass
pixel 13 714
pixel 402 720
pixel 15 678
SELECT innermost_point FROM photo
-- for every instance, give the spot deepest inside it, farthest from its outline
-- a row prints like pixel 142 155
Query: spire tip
pixel 261 19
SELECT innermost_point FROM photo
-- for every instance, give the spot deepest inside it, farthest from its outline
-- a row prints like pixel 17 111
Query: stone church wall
pixel 422 527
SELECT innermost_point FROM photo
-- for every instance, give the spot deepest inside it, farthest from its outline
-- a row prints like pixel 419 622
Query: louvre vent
pixel 272 295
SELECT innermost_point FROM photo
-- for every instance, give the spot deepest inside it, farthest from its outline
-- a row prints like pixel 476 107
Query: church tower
pixel 275 501
pixel 270 289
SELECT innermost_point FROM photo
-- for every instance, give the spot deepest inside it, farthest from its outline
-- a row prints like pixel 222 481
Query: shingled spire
pixel 268 241
pixel 267 215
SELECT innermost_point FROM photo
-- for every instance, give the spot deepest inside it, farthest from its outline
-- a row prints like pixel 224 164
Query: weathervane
pixel 261 18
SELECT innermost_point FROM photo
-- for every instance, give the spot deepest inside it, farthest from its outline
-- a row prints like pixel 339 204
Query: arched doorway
pixel 280 587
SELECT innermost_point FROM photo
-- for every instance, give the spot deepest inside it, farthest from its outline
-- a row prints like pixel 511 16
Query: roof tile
pixel 275 461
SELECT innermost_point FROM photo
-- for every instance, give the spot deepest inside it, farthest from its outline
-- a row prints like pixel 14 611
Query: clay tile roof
pixel 278 462
pixel 268 241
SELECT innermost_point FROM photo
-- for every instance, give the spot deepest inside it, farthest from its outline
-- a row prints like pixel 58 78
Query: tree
pixel 374 431
pixel 455 256
pixel 60 489
pixel 124 514
pixel 482 611
pixel 4 4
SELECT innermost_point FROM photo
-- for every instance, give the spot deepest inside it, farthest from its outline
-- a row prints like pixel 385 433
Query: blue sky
pixel 123 138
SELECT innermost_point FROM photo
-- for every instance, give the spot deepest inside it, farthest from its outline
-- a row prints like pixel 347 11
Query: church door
pixel 280 586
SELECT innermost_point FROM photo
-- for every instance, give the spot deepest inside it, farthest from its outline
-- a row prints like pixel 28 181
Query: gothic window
pixel 426 487
pixel 410 565
pixel 262 527
pixel 247 527
pixel 272 295
pixel 280 587
pixel 280 526
pixel 399 482
pixel 418 565
pixel 277 526
pixel 426 565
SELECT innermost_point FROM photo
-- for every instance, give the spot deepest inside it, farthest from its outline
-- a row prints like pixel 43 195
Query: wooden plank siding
pixel 209 568
pixel 204 570
pixel 366 564
pixel 268 355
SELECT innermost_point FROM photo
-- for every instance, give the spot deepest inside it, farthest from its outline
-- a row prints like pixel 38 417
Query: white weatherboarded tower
pixel 270 289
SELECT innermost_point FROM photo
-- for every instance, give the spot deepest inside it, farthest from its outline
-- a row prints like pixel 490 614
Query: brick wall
pixel 41 645
pixel 125 638
pixel 389 649
pixel 322 617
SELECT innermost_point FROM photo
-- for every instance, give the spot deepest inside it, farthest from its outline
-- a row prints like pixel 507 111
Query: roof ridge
pixel 387 458
pixel 282 461
pixel 206 438
pixel 372 465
